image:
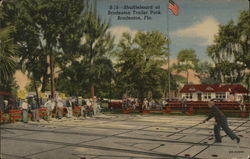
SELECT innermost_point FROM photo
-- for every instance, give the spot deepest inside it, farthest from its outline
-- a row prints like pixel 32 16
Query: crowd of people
pixel 55 108
pixel 146 104
pixel 86 107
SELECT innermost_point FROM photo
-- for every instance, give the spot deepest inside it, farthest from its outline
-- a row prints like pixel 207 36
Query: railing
pixel 202 107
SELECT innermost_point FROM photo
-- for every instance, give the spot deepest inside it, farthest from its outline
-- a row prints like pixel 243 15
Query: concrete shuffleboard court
pixel 123 137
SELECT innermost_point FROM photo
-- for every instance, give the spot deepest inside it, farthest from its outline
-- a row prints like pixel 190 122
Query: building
pixel 206 92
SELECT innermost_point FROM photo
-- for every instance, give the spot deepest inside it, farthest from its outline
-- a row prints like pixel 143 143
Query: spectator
pixel 90 108
pixel 94 105
pixel 84 109
pixel 242 105
pixel 59 108
pixel 69 107
pixel 34 110
pixel 145 104
pixel 124 103
pixel 184 104
pixel 151 104
pixel 25 109
pixel 5 106
pixel 135 104
pixel 164 103
pixel 50 106
pixel 98 105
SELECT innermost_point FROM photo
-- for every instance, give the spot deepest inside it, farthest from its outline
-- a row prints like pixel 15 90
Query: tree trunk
pixel 52 76
pixel 92 91
pixel 221 77
pixel 248 87
pixel 141 98
pixel 45 79
pixel 37 94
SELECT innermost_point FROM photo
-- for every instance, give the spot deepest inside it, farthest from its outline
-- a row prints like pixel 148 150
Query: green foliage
pixel 139 63
pixel 91 67
pixel 186 60
pixel 230 51
pixel 44 28
pixel 9 85
pixel 8 52
pixel 75 79
pixel 205 74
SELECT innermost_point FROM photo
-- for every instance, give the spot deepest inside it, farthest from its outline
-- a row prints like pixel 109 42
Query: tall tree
pixel 60 23
pixel 45 29
pixel 98 43
pixel 92 67
pixel 205 73
pixel 8 52
pixel 186 60
pixel 25 33
pixel 140 60
pixel 230 51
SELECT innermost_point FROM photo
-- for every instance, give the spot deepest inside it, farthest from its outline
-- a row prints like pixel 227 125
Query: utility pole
pixel 248 48
pixel 168 45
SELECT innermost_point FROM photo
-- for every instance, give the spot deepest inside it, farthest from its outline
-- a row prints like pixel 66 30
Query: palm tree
pixel 8 51
pixel 187 60
pixel 98 41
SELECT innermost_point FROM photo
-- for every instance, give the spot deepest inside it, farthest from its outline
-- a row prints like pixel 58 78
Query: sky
pixel 194 28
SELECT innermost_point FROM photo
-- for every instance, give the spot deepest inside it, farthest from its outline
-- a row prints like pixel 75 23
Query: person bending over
pixel 221 122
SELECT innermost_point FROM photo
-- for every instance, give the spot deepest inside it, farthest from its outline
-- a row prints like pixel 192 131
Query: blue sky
pixel 194 28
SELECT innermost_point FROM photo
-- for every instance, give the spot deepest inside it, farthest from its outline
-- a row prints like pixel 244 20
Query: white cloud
pixel 119 30
pixel 205 29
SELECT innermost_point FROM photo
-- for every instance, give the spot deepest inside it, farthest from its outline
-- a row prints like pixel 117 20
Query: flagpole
pixel 168 45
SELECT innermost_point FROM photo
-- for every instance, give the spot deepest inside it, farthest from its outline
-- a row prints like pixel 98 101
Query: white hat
pixel 5 102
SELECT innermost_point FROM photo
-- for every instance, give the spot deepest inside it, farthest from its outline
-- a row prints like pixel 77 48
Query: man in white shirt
pixel 59 106
pixel 69 107
pixel 90 107
pixel 145 104
pixel 94 105
pixel 50 106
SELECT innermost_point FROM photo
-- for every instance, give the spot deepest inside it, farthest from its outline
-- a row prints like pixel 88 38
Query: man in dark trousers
pixel 221 122
pixel 34 109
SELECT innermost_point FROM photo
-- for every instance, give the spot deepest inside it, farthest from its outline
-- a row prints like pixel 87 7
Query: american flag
pixel 173 7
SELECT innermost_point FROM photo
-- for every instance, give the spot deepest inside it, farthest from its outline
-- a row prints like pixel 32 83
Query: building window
pixel 207 95
pixel 189 95
pixel 221 95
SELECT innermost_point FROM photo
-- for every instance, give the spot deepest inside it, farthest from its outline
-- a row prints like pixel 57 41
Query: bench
pixel 15 114
pixel 176 107
pixel 77 111
pixel 128 110
pixel 42 112
pixel 3 118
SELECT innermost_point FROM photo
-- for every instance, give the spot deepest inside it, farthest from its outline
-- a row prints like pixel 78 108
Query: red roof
pixel 233 88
